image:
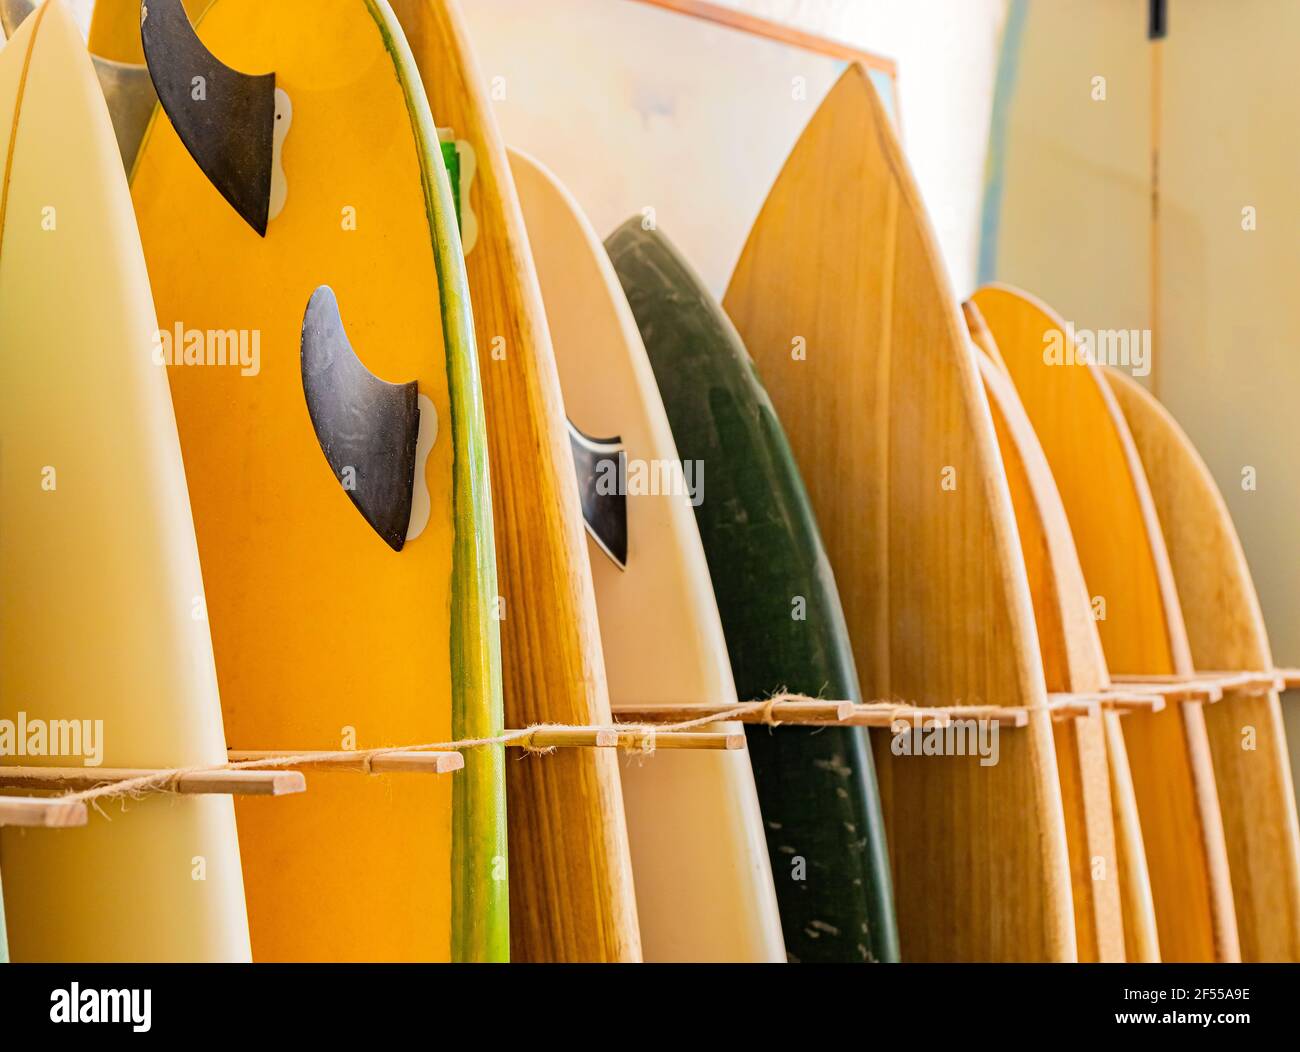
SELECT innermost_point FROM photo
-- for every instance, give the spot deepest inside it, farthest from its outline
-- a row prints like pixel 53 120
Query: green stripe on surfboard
pixel 780 611
pixel 480 923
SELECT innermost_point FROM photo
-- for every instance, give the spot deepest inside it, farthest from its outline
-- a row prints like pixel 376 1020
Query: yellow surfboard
pixel 1225 631
pixel 660 629
pixel 101 599
pixel 841 299
pixel 326 634
pixel 1125 566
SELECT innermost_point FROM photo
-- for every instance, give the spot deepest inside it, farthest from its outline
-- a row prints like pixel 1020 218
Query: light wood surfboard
pixel 659 624
pixel 841 298
pixel 572 890
pixel 325 636
pixel 98 559
pixel 1126 568
pixel 1225 631
pixel 1114 912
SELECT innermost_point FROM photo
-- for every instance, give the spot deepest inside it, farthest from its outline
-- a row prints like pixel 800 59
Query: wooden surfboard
pixel 659 624
pixel 842 300
pixel 780 610
pixel 329 633
pixel 99 567
pixel 1126 569
pixel 572 890
pixel 1113 909
pixel 1225 631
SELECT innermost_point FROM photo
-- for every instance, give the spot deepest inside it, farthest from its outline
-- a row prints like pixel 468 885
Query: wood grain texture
pixel 892 432
pixel 1072 662
pixel 570 870
pixel 1125 566
pixel 1225 630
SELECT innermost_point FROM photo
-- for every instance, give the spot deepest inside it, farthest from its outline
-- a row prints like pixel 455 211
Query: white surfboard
pixel 699 857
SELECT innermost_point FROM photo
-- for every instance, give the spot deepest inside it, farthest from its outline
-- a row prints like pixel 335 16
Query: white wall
pixel 635 107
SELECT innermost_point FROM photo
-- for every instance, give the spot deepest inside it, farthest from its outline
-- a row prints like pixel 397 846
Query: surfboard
pixel 99 565
pixel 780 610
pixel 572 893
pixel 343 520
pixel 1113 909
pixel 1125 567
pixel 659 625
pixel 842 300
pixel 1225 631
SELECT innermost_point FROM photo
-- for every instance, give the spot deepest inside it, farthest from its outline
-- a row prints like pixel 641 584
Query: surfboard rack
pixel 398 761
pixel 1210 686
pixel 879 714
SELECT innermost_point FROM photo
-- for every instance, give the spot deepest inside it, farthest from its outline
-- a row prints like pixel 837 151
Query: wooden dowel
pixel 1006 716
pixel 41 812
pixel 1113 700
pixel 1290 678
pixel 652 741
pixel 780 711
pixel 417 762
pixel 1071 706
pixel 565 738
pixel 231 783
pixel 1173 688
pixel 1250 683
pixel 1132 701
pixel 398 761
pixel 864 716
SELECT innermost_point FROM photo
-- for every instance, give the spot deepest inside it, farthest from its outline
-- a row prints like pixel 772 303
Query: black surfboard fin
pixel 597 461
pixel 367 427
pixel 225 118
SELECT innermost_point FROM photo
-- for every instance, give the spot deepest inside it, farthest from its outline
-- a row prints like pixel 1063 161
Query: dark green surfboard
pixel 780 610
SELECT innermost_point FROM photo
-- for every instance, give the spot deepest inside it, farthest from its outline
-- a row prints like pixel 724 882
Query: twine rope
pixel 167 779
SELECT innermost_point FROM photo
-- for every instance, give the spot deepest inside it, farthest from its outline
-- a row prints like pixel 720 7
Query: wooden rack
pixel 1128 694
